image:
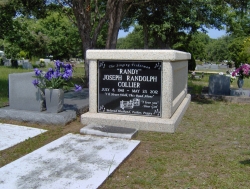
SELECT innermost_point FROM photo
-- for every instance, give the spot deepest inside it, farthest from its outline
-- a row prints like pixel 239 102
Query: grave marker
pixel 22 93
pixel 219 85
pixel 141 89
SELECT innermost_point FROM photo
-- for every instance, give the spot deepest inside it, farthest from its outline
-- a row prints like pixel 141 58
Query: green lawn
pixel 210 149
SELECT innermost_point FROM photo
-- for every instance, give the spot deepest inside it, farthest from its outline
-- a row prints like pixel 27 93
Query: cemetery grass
pixel 210 149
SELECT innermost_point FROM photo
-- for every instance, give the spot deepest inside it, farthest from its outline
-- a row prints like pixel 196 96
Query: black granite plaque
pixel 129 87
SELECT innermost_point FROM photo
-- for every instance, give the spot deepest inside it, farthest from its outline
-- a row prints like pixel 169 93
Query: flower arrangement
pixel 242 72
pixel 55 78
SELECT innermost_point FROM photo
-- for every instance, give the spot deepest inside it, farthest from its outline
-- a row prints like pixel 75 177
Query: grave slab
pixel 70 162
pixel 240 92
pixel 109 131
pixel 11 135
pixel 75 103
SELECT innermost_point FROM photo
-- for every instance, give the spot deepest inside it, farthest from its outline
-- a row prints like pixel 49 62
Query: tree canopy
pixel 162 24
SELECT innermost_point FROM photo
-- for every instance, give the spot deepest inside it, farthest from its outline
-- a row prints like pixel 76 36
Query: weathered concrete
pixel 11 135
pixel 72 161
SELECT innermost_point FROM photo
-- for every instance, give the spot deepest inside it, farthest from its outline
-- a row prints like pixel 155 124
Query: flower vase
pixel 240 82
pixel 54 100
pixel 42 101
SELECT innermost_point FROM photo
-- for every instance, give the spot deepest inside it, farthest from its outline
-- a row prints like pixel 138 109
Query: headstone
pixel 27 65
pixel 23 95
pixel 140 89
pixel 198 67
pixel 219 85
pixel 214 67
pixel 206 66
pixel 7 62
pixel 47 61
pixel 20 62
pixel 223 66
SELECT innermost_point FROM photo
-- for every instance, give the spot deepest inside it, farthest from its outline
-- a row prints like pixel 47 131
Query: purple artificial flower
pixel 68 67
pixel 77 88
pixel 57 74
pixel 35 82
pixel 58 64
pixel 49 74
pixel 38 72
pixel 55 77
pixel 69 72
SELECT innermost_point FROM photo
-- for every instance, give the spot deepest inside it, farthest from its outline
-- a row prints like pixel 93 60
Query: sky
pixel 213 33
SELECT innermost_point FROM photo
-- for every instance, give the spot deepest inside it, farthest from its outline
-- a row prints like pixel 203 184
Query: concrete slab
pixel 11 135
pixel 109 131
pixel 75 103
pixel 72 161
pixel 139 122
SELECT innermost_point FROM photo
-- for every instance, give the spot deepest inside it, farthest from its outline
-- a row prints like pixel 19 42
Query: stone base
pixel 38 117
pixel 240 92
pixel 139 122
pixel 109 131
pixel 75 103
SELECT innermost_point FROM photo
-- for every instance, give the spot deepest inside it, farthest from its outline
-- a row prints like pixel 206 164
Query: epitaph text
pixel 129 87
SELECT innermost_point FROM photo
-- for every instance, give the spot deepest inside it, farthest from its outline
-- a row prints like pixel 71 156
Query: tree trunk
pixel 83 17
pixel 145 35
pixel 115 17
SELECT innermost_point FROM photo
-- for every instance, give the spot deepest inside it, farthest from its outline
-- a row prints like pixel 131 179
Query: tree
pixel 7 12
pixel 63 37
pixel 235 47
pixel 238 18
pixel 198 44
pixel 218 50
pixel 134 40
pixel 92 15
pixel 165 21
pixel 245 52
pixel 168 21
pixel 54 35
